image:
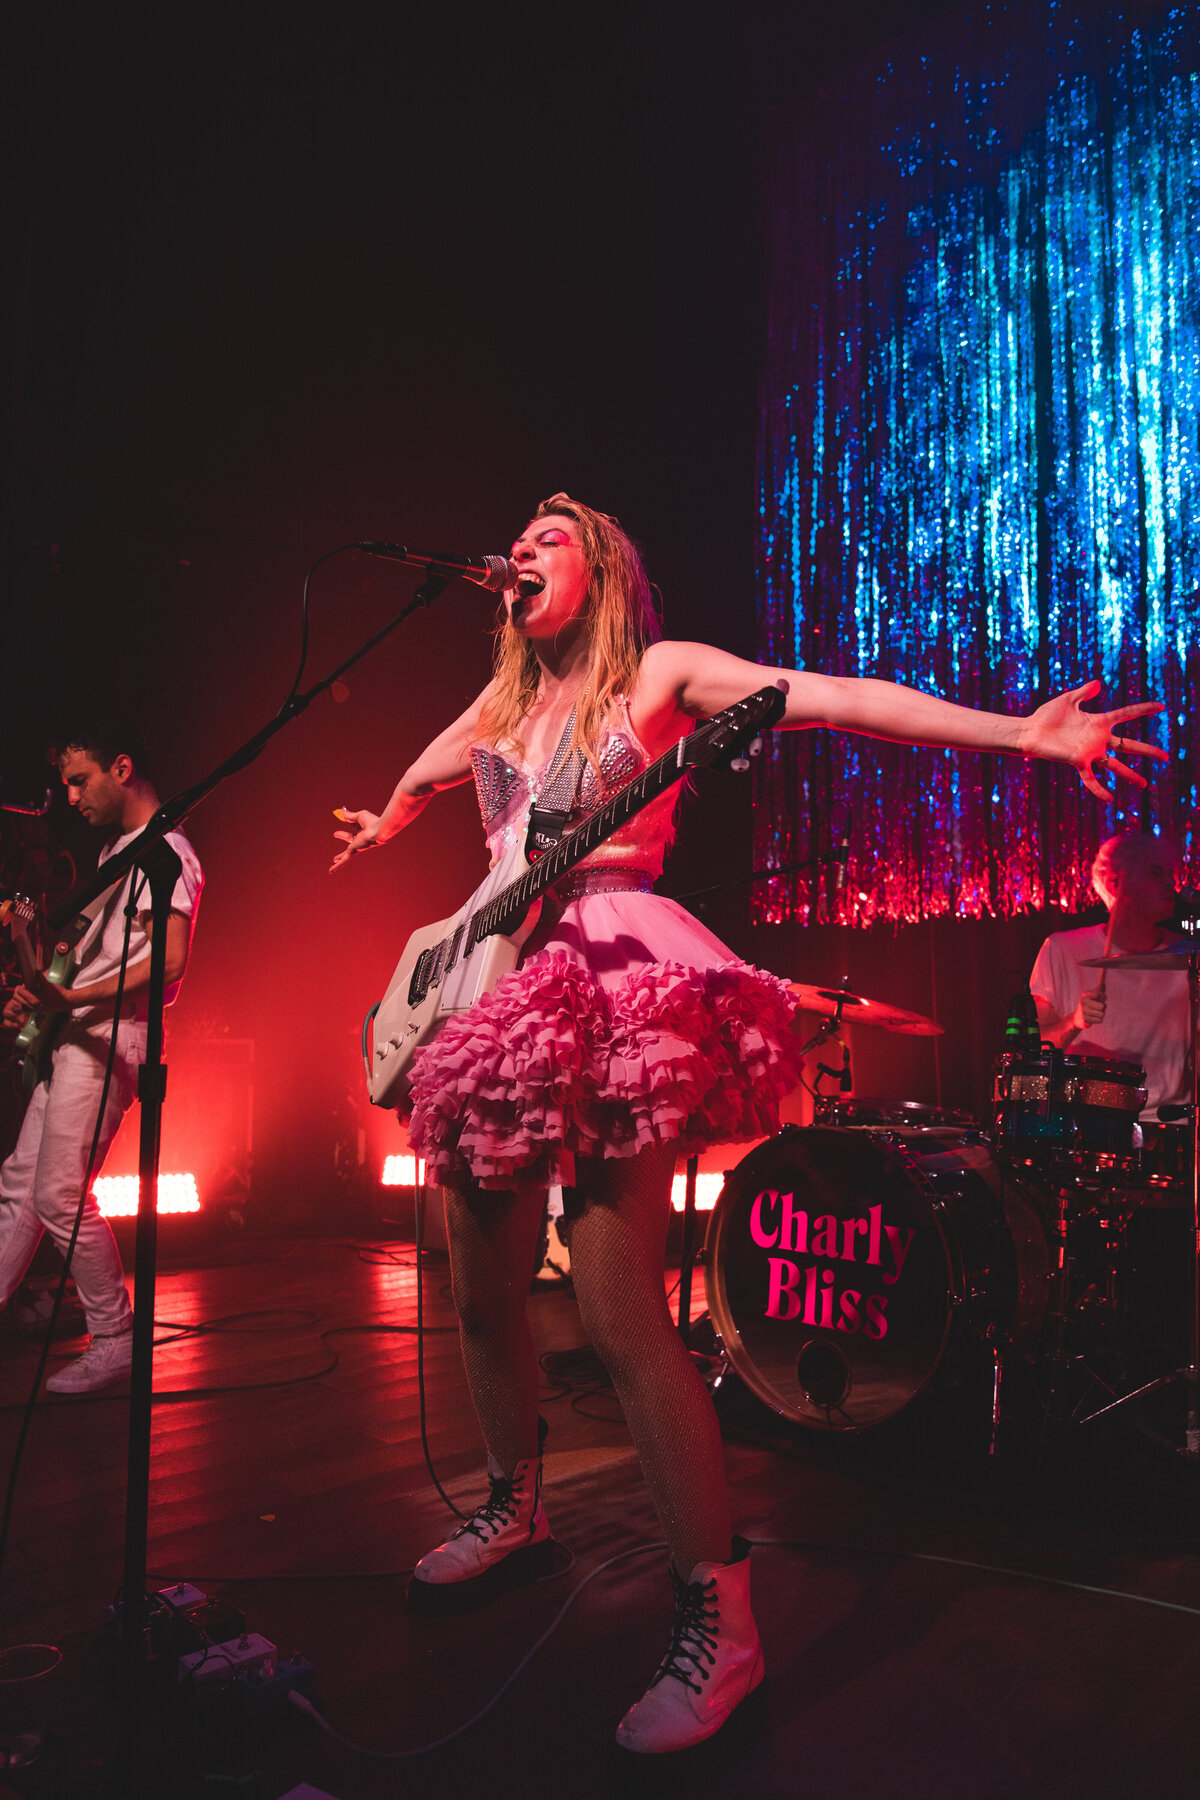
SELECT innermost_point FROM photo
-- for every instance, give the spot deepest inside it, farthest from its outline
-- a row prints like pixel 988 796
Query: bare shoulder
pixel 694 680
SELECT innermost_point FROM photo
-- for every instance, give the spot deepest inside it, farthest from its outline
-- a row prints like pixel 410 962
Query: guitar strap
pixel 71 935
pixel 557 796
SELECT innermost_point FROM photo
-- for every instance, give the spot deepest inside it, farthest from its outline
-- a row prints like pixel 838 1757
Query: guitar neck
pixel 19 919
pixel 30 967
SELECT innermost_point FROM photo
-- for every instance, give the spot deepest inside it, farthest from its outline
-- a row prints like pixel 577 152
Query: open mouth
pixel 529 585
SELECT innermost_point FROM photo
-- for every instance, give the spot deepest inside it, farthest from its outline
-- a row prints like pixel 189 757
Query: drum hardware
pixel 1103 1188
pixel 828 1030
pixel 1186 1376
pixel 1078 1315
pixel 842 1076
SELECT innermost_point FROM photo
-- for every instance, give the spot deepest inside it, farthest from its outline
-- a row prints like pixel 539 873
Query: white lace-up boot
pixel 506 1542
pixel 106 1359
pixel 714 1662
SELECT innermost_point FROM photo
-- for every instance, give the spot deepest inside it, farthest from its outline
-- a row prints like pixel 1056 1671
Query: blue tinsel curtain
pixel 979 468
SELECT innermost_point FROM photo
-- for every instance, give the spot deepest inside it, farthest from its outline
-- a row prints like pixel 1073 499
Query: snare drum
pixel 849 1270
pixel 1049 1105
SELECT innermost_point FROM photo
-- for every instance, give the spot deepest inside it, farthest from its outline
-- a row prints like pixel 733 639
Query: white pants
pixel 40 1182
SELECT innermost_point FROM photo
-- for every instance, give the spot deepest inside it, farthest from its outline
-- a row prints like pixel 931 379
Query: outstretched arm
pixel 443 764
pixel 698 680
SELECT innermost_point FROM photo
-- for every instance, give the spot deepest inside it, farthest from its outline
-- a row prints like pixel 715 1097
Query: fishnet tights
pixel 617 1241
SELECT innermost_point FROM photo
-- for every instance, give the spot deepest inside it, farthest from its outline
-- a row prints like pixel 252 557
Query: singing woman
pixel 627 1036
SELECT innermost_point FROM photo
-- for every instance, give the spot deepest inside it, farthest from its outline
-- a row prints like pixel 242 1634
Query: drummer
pixel 1124 1015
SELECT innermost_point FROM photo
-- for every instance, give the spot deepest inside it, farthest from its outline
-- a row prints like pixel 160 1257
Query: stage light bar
pixel 708 1188
pixel 409 1171
pixel 117 1195
pixel 403 1171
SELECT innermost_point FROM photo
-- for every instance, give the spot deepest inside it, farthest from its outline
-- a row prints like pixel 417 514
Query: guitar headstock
pixel 19 913
pixel 724 735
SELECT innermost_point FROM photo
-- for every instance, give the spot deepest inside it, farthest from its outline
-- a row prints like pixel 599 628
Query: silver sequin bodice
pixel 507 789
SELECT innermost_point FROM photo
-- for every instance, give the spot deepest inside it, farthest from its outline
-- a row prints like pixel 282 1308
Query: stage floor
pixel 926 1616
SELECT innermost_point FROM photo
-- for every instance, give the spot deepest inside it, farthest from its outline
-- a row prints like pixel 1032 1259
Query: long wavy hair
pixel 622 621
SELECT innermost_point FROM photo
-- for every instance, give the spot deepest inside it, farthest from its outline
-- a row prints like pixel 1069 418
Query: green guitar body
pixel 37 1037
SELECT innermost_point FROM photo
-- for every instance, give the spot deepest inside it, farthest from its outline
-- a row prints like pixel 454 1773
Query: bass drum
pixel 849 1270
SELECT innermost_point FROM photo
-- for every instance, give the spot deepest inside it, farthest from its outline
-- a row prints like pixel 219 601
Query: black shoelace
pixel 693 1636
pixel 501 1505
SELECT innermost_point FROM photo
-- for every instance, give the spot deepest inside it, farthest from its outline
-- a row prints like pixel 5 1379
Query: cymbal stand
pixel 1189 1375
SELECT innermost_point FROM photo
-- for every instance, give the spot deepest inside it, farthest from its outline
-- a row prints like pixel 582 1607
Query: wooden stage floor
pixel 933 1625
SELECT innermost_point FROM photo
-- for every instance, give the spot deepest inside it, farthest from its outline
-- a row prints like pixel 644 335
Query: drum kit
pixel 892 1250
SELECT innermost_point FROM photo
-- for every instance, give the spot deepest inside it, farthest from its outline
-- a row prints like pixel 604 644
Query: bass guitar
pixel 34 1046
pixel 447 966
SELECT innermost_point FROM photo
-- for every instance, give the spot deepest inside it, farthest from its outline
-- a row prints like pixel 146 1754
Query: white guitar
pixel 446 967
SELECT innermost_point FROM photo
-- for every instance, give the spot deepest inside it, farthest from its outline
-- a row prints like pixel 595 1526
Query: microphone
pixel 26 805
pixel 1021 1027
pixel 492 572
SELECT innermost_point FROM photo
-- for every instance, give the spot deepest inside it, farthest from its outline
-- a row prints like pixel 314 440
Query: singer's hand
pixel 1092 1007
pixel 1061 731
pixel 364 837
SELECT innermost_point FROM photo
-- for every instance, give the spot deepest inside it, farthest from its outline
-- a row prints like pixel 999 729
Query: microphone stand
pixel 173 812
pixel 162 866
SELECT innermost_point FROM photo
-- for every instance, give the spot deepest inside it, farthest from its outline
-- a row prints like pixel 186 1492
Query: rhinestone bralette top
pixel 507 789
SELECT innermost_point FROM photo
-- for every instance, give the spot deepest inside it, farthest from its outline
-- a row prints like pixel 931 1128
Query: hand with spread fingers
pixel 365 836
pixel 1061 731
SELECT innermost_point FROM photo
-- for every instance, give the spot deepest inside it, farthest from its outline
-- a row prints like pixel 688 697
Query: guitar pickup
pixel 419 982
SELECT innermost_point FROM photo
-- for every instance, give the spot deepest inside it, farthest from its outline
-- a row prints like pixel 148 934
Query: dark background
pixel 283 284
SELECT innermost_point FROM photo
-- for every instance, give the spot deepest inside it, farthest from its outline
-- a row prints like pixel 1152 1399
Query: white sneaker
pixel 106 1359
pixel 713 1665
pixel 505 1542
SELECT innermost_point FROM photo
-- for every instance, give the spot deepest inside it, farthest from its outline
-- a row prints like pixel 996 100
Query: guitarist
pixel 627 1033
pixel 104 767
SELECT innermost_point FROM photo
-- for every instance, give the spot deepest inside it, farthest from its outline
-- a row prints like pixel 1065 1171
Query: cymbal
pixel 856 1010
pixel 1142 959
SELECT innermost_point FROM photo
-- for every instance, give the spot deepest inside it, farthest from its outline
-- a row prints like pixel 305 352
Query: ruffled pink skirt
pixel 627 1024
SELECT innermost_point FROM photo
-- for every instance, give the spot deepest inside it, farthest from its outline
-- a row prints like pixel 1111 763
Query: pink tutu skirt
pixel 627 1024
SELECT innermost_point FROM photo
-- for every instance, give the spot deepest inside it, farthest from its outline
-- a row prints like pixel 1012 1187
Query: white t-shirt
pixel 98 952
pixel 1146 1020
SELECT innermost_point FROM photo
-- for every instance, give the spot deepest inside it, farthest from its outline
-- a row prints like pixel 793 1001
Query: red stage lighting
pixel 403 1171
pixel 117 1195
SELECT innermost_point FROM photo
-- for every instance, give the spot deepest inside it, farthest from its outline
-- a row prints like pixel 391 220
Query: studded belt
pixel 578 882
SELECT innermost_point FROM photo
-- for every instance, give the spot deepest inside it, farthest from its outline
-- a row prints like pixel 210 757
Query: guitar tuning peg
pixel 739 763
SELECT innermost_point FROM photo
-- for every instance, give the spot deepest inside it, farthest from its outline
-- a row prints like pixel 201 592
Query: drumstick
pixel 1109 933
